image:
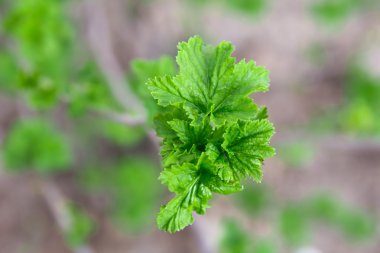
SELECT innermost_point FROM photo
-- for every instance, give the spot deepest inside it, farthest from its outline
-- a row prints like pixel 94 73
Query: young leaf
pixel 209 84
pixel 214 136
pixel 239 139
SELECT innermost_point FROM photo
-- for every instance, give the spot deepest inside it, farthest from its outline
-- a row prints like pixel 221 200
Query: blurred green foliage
pixel 235 239
pixel 245 7
pixel 36 144
pixel 293 225
pixel 141 71
pixel 296 154
pixel 264 246
pixel 362 112
pixel 43 33
pixel 334 11
pixel 354 223
pixel 41 92
pixel 41 60
pixel 359 113
pixel 89 91
pixel 8 73
pixel 295 220
pixel 133 189
pixel 37 53
pixel 252 7
pixel 119 133
pixel 254 199
pixel 81 227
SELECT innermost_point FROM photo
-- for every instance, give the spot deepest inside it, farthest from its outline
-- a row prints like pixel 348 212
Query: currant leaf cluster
pixel 214 136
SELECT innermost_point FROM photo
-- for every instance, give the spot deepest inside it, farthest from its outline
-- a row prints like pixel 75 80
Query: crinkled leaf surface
pixel 214 135
pixel 209 84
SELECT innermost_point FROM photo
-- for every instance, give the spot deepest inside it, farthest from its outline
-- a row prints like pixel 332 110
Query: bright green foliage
pixel 213 134
pixel 35 144
pixel 81 227
pixel 132 189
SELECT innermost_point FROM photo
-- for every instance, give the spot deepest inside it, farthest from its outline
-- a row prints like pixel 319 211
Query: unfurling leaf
pixel 214 135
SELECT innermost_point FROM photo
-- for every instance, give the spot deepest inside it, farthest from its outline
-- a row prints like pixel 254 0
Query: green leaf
pixel 262 113
pixel 175 216
pixel 217 185
pixel 209 84
pixel 213 134
pixel 193 195
pixel 245 146
pixel 178 177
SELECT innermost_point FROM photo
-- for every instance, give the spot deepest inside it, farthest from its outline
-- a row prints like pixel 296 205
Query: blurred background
pixel 79 160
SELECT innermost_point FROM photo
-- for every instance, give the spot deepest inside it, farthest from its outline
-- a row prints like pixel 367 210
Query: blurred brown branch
pixel 99 38
pixel 58 207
